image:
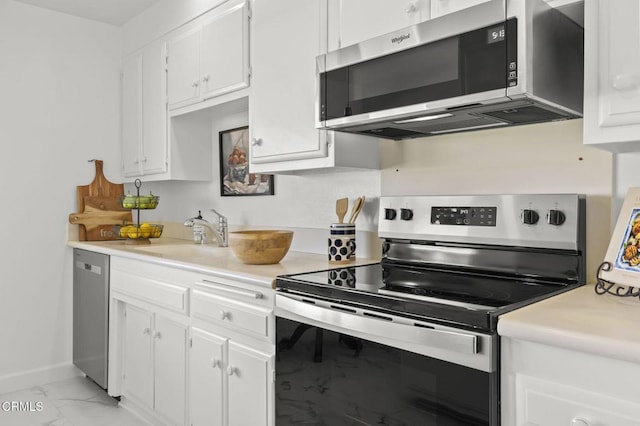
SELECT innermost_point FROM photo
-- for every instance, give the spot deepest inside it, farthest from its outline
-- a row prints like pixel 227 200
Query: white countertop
pixel 580 320
pixel 213 260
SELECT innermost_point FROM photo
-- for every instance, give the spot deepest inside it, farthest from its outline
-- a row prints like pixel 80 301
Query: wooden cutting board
pixel 99 208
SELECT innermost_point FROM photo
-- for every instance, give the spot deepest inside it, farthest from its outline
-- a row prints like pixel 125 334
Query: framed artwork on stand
pixel 619 274
pixel 235 179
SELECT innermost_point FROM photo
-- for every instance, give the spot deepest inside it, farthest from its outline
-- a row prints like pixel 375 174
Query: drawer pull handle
pixel 157 335
pixel 224 315
pixel 212 285
pixel 215 363
pixel 579 422
pixel 146 330
pixel 231 370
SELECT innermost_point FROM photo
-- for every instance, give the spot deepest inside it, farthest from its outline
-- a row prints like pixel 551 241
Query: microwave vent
pixel 392 133
pixel 525 115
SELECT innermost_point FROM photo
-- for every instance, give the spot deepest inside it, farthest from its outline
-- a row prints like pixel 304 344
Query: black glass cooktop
pixel 449 297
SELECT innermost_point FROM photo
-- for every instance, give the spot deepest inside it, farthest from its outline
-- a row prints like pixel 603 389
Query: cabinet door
pixel 612 73
pixel 224 59
pixel 170 338
pixel 183 68
pixel 283 80
pixel 138 356
pixel 144 112
pixel 206 384
pixel 360 20
pixel 131 115
pixel 250 374
pixel 444 7
pixel 154 110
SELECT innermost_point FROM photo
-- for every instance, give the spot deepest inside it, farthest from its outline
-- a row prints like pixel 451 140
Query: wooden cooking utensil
pixel 342 205
pixel 357 206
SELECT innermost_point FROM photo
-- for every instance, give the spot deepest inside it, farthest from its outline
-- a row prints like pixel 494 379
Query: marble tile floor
pixel 73 402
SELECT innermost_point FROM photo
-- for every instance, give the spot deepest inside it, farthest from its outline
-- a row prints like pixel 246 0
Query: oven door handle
pixel 375 326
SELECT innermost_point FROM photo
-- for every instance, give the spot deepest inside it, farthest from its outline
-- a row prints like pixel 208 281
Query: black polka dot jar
pixel 342 243
pixel 343 277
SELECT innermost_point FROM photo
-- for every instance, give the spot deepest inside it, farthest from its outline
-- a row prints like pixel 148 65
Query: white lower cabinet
pixel 250 379
pixel 231 355
pixel 189 349
pixel 207 360
pixel 137 372
pixel 226 378
pixel 154 363
pixel 550 403
pixel 545 385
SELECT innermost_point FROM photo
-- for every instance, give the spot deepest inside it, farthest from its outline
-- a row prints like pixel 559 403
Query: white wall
pixel 59 86
pixel 540 158
pixel 306 201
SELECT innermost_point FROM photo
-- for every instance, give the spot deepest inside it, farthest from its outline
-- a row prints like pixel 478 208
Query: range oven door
pixel 340 365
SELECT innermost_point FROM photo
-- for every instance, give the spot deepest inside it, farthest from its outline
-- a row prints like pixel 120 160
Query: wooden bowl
pixel 260 247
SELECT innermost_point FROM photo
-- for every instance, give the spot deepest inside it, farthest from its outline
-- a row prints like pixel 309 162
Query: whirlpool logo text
pixel 399 39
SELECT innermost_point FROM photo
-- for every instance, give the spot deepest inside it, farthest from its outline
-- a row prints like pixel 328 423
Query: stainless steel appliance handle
pixel 375 325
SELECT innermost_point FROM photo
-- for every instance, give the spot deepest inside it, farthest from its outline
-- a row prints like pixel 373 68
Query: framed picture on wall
pixel 235 179
pixel 623 253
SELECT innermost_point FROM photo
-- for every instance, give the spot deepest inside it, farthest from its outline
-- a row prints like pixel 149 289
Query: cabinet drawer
pixel 159 293
pixel 233 314
pixel 547 403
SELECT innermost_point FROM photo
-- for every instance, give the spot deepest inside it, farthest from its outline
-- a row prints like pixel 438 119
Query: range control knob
pixel 529 217
pixel 406 214
pixel 390 214
pixel 555 217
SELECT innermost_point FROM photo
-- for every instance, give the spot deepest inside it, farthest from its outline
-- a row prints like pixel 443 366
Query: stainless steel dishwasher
pixel 91 314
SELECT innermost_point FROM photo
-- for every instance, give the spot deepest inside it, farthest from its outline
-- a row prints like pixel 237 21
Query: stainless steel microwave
pixel 495 64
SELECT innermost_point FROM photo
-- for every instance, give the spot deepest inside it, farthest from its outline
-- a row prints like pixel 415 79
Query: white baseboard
pixel 39 376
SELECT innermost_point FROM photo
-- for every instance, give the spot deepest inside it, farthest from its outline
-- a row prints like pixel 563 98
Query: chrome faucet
pixel 203 228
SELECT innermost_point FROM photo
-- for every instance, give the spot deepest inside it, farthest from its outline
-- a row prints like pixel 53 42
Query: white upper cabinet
pixel 155 146
pixel 224 63
pixel 144 115
pixel 286 38
pixel 612 74
pixel 281 100
pixel 183 68
pixel 358 20
pixel 209 57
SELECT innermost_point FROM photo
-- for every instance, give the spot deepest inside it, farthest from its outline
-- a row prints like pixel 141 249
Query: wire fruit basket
pixel 138 233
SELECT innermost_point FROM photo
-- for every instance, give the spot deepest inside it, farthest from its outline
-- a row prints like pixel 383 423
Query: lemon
pixel 124 231
pixel 133 232
pixel 145 230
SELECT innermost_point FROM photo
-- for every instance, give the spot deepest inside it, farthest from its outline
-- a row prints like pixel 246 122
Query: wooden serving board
pixel 99 208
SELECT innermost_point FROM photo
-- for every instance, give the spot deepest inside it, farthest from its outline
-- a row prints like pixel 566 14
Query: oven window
pixel 332 379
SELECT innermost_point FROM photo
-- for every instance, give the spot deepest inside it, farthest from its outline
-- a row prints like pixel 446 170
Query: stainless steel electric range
pixel 412 340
